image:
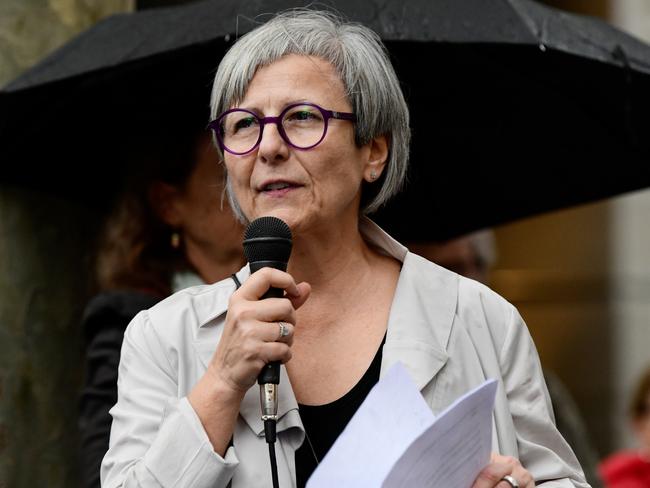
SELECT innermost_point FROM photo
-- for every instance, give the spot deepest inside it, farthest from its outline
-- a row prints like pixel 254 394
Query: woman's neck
pixel 343 271
pixel 328 255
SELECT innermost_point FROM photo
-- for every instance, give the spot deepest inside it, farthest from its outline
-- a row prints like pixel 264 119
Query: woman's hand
pixel 500 466
pixel 251 336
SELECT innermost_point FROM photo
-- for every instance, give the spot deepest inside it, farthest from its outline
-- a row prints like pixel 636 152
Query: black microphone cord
pixel 269 434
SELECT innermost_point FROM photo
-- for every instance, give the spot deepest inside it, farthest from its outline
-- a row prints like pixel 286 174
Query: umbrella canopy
pixel 517 108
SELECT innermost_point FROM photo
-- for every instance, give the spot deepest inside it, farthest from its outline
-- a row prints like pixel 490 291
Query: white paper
pixel 395 441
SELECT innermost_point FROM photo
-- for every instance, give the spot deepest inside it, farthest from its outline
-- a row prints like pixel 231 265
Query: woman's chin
pixel 287 215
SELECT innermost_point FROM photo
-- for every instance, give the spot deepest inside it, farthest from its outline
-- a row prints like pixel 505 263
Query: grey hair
pixel 361 60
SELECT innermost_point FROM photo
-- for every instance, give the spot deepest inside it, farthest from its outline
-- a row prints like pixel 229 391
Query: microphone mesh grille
pixel 267 239
pixel 268 227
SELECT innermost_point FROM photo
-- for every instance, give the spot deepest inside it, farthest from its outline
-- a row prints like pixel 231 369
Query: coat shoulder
pixel 475 295
pixel 471 295
pixel 187 310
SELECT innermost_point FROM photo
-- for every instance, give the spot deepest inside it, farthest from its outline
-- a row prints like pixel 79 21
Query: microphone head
pixel 267 239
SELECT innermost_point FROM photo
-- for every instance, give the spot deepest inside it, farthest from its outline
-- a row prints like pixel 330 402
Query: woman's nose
pixel 273 148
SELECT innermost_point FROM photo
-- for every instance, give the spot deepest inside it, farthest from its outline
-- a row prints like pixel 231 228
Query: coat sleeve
pixel 542 449
pixel 157 439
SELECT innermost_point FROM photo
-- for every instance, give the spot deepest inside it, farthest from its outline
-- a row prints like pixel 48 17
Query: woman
pixel 168 230
pixel 314 129
pixel 631 469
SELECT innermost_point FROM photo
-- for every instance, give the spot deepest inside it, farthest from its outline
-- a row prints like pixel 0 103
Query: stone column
pixel 44 264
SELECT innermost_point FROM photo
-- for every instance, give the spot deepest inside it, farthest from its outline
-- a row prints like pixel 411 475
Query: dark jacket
pixel 104 321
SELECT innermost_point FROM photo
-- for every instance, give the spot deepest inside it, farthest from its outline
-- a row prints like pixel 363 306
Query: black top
pixel 105 319
pixel 324 423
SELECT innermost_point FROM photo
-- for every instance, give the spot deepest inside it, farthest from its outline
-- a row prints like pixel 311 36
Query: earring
pixel 373 175
pixel 175 240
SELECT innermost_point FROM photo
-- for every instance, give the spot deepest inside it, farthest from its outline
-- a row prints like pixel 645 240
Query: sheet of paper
pixel 453 451
pixel 394 436
pixel 391 417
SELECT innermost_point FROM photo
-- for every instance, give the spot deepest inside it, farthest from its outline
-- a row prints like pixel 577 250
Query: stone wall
pixel 31 29
pixel 45 246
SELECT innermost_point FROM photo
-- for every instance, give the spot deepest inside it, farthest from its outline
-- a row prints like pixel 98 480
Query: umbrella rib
pixel 540 31
pixel 526 19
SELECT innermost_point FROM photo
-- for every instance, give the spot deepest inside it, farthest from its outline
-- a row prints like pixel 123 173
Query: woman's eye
pixel 304 115
pixel 301 115
pixel 244 123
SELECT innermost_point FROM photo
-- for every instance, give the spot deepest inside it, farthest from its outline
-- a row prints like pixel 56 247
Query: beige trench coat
pixel 451 333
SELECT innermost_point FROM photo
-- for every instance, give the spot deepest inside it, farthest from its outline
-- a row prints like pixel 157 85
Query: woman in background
pixel 169 229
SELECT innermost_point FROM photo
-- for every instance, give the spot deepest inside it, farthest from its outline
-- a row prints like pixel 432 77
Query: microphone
pixel 267 243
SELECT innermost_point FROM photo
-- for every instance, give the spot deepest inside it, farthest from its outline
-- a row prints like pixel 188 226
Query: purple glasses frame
pixel 215 125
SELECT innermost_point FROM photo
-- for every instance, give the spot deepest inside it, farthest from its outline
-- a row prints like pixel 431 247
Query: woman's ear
pixel 164 200
pixel 377 157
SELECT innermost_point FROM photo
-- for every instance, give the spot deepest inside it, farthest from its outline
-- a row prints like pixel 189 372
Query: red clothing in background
pixel 626 470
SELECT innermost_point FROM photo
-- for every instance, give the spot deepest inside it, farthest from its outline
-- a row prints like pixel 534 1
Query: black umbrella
pixel 517 108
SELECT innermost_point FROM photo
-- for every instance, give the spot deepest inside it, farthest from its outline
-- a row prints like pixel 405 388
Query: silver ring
pixel 284 330
pixel 511 481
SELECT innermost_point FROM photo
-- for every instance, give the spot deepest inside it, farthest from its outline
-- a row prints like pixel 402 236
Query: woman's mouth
pixel 278 188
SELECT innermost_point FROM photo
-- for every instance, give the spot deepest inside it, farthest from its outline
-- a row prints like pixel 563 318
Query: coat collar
pixel 419 325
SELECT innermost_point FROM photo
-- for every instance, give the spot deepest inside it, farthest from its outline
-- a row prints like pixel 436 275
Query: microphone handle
pixel 271 372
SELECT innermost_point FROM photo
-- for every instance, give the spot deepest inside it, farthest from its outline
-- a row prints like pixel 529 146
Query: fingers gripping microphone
pixel 267 243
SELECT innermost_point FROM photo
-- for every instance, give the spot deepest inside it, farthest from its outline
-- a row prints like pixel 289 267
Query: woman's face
pixel 310 188
pixel 208 227
pixel 208 222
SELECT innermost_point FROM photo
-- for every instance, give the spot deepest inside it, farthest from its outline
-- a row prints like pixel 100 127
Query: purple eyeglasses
pixel 301 125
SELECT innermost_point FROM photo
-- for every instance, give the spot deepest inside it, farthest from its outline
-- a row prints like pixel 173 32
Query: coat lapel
pixel 420 319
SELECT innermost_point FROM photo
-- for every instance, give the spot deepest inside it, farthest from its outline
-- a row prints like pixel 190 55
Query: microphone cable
pixel 269 434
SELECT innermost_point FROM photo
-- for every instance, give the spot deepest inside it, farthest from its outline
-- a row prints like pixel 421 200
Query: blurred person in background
pixel 473 256
pixel 169 229
pixel 631 469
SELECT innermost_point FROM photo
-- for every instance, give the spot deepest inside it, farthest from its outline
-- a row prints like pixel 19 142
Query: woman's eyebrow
pixel 255 108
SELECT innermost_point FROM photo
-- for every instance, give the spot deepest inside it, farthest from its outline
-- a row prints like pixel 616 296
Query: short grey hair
pixel 361 60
